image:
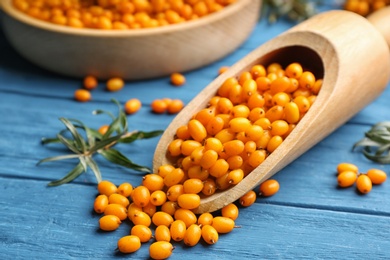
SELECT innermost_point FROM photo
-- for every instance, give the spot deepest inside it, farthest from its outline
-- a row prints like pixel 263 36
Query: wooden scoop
pixel 341 47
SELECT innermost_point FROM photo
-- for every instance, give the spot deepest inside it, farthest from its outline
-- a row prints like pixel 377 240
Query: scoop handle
pixel 381 21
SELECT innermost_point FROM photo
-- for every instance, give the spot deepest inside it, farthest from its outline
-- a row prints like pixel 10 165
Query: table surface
pixel 310 217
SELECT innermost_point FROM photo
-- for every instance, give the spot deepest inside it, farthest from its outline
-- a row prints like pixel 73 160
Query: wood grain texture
pixel 132 54
pixel 309 218
pixel 320 44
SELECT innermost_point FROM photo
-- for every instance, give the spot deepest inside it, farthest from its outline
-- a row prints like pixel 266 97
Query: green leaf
pixel 73 174
pixel 117 157
pixel 103 143
pixel 61 157
pixel 68 143
pixel 140 135
pixel 376 158
pixel 92 164
pixel 78 139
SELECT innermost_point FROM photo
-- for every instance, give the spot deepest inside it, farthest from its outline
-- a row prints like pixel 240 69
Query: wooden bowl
pixel 131 54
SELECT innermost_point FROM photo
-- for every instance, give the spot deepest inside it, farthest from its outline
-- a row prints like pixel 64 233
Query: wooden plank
pixel 58 223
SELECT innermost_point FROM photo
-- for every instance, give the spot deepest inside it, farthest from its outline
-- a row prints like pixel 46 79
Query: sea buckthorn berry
pixel 291 112
pixel 205 219
pixel 235 162
pixel 174 147
pixel 162 218
pixel 294 85
pixel 109 222
pixel 174 177
pixel 158 197
pixel 185 215
pixel 248 199
pixel 263 83
pixel 208 159
pixel 219 168
pixel 196 172
pixel 269 188
pixel 279 85
pixel 164 169
pixel 280 99
pixel 162 233
pixel 224 89
pixel 197 130
pixel 159 106
pixel 106 187
pixel 215 125
pixel 234 147
pixel 132 106
pixel 103 129
pixel 142 232
pixel 273 67
pixel 239 124
pixel 133 209
pixel 205 115
pixel 129 244
pixel 224 105
pixel 317 86
pixel 116 209
pixel 294 70
pixel 125 189
pixel 115 84
pixel 90 82
pixel 346 178
pixel 279 127
pixel 82 95
pixel 274 143
pixel 175 106
pixel 254 132
pixel 258 71
pixel 235 176
pixel 244 76
pixel 188 146
pixel 222 69
pixel 141 218
pixel 188 201
pixel 274 113
pixel 178 229
pixel 169 207
pixel 240 111
pixel 307 80
pixel 230 211
pixel 248 89
pixel 192 235
pixel 177 79
pixel 150 209
pixel 209 234
pixel 342 167
pixel 303 103
pixel 377 176
pixel 223 225
pixel 209 187
pixel 160 250
pixel 153 182
pixel 174 192
pixel 141 196
pixel 222 182
pixel 183 133
pixel 364 183
pixel 100 203
pixel 214 144
pixel 262 143
pixel 193 186
pixel 116 198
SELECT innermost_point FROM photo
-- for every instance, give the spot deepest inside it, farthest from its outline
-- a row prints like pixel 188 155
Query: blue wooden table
pixel 310 217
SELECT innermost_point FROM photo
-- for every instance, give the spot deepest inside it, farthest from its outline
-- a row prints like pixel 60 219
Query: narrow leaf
pixel 57 158
pixel 92 164
pixel 79 140
pixel 140 135
pixel 117 157
pixel 73 174
pixel 68 143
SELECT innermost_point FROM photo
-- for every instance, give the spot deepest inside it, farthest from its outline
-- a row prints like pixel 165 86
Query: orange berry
pixel 141 196
pixel 82 95
pixel 376 176
pixel 162 233
pixel 342 167
pixel 142 232
pixel 129 244
pixel 223 225
pixel 230 211
pixel 116 198
pixel 103 129
pixel 109 222
pixel 159 106
pixel 117 210
pixel 364 183
pixel 209 234
pixel 115 84
pixel 160 250
pixel 100 203
pixel 132 106
pixel 248 199
pixel 175 106
pixel 177 79
pixel 125 189
pixel 106 187
pixel 90 82
pixel 192 235
pixel 346 178
pixel 269 188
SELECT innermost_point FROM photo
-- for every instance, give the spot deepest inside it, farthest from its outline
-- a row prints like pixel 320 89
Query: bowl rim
pixel 7 7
